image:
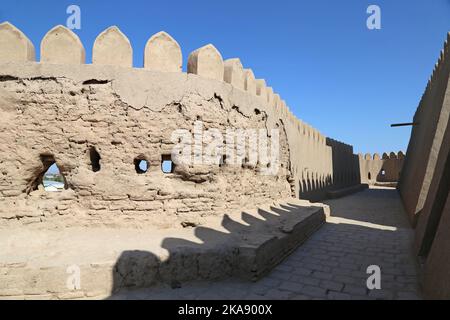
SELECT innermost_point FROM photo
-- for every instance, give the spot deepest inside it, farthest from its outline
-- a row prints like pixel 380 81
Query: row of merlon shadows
pixel 162 53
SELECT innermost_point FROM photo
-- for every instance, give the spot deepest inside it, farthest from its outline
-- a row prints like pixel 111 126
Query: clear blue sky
pixel 347 81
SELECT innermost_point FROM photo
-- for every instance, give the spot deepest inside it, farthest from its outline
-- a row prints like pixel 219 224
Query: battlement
pixel 162 53
pixel 385 156
pixel 339 145
pixel 440 73
pixel 381 169
pixel 98 121
pixel 427 136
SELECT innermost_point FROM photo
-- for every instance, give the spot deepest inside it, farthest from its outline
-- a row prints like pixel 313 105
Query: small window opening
pixel 53 181
pixel 141 165
pixel 383 172
pixel 51 178
pixel 167 165
pixel 369 176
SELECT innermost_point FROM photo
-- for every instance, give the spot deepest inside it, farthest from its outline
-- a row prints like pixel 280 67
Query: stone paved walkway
pixel 367 228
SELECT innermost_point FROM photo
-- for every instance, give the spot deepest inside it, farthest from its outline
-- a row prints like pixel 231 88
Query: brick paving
pixel 367 228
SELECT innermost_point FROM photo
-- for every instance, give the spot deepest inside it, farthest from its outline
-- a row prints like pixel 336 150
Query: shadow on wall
pixel 383 170
pixel 392 165
pixel 345 173
pixel 354 243
pixel 243 249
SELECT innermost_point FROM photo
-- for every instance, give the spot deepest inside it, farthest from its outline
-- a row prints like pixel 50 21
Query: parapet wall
pixel 386 168
pixel 430 121
pixel 98 121
pixel 345 164
pixel 425 180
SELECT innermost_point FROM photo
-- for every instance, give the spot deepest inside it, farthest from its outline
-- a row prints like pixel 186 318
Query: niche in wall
pixel 95 159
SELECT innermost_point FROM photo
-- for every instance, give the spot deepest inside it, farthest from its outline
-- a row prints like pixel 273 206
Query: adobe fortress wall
pixel 427 138
pixel 98 121
pixel 386 168
pixel 425 181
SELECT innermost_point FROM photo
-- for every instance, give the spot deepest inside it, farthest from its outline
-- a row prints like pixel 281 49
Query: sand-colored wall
pixel 426 140
pixel 425 180
pixel 436 278
pixel 66 111
pixel 386 168
pixel 429 218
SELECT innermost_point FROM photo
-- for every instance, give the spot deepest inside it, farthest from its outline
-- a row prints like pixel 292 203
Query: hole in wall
pixel 53 180
pixel 167 165
pixel 141 165
pixel 48 176
pixel 383 172
pixel 369 176
pixel 223 161
pixel 95 159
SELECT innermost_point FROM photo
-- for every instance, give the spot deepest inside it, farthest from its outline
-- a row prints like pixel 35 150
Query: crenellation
pixel 234 73
pixel 378 170
pixel 285 109
pixel 14 45
pixel 308 131
pixel 261 89
pixel 440 67
pixel 163 53
pixel 276 103
pixel 62 46
pixel 250 81
pixel 112 47
pixel 206 62
pixel 270 96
